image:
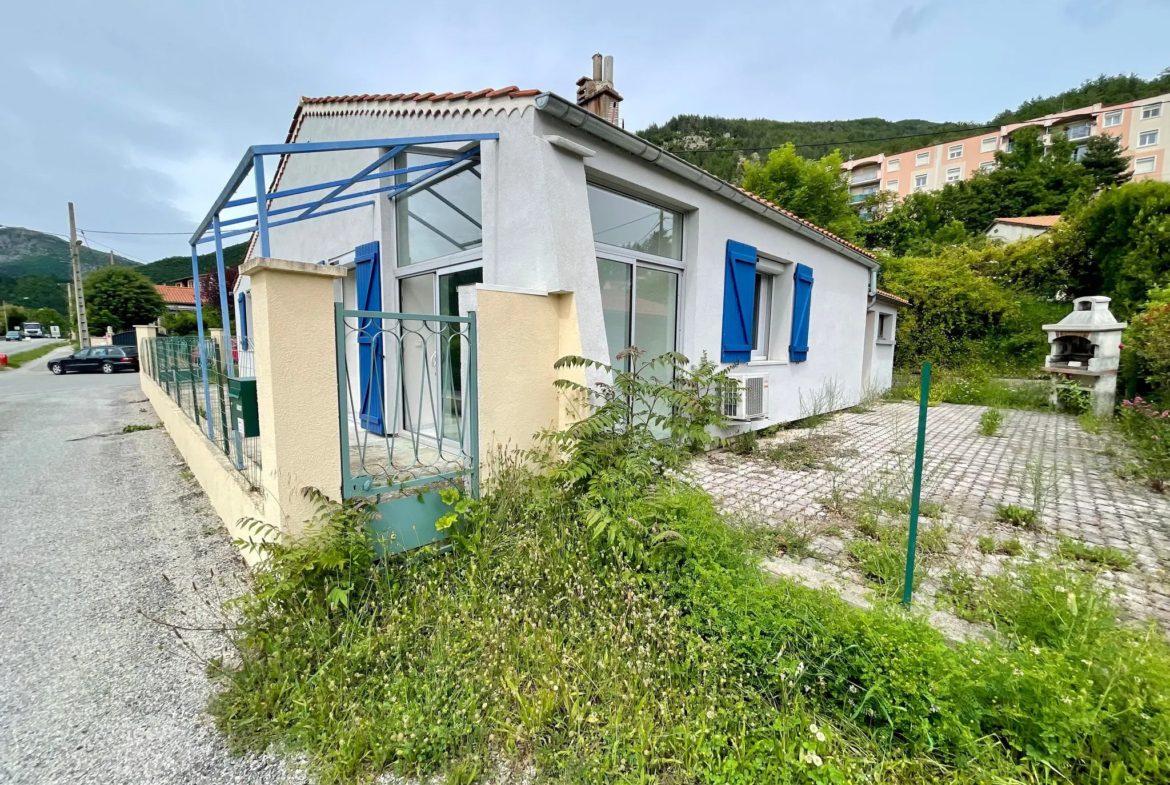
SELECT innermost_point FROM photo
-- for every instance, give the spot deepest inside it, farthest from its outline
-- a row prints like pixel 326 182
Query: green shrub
pixel 1016 515
pixel 1072 397
pixel 1147 431
pixel 990 422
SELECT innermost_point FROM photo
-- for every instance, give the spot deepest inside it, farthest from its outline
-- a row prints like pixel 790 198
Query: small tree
pixel 816 190
pixel 120 297
pixel 1105 161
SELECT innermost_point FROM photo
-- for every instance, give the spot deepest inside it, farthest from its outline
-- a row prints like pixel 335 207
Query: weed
pixel 1011 547
pixel 807 453
pixel 1016 515
pixel 1042 482
pixel 930 509
pixel 1072 397
pixel 933 540
pixel 1089 423
pixel 745 443
pixel 793 540
pixel 1110 558
pixel 820 406
pixel 990 422
pixel 136 428
pixel 989 545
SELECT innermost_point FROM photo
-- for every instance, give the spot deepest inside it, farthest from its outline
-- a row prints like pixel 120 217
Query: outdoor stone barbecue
pixel 1085 347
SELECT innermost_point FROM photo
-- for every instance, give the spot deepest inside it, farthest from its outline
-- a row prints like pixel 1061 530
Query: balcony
pixel 865 176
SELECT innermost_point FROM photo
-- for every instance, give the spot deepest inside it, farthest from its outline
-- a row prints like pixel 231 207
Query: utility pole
pixel 69 303
pixel 75 260
pixel 111 258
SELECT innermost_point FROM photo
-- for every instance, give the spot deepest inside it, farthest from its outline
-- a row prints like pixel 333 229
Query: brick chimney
pixel 597 95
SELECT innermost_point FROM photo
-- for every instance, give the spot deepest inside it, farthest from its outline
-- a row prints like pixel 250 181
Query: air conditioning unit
pixel 749 401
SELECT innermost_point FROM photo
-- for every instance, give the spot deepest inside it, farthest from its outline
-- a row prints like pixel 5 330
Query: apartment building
pixel 1144 128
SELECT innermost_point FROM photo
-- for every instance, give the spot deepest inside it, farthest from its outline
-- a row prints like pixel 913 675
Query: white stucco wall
pixel 1010 233
pixel 537 235
pixel 881 352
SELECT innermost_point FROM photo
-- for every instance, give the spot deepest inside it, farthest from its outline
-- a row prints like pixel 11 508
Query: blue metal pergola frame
pixel 211 227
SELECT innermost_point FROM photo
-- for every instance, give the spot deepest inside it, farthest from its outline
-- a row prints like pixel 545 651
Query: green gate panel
pixel 408 522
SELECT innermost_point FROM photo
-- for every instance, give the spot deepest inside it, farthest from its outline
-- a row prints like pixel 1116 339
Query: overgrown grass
pixel 598 618
pixel 1110 558
pixel 976 387
pixel 1016 516
pixel 989 545
pixel 17 360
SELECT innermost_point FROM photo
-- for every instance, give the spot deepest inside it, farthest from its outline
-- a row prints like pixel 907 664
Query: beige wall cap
pixel 253 266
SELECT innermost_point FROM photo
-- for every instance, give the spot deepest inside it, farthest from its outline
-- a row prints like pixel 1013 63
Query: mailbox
pixel 242 399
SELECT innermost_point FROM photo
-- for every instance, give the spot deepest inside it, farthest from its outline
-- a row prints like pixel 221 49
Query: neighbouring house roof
pixel 438 104
pixel 1037 221
pixel 891 298
pixel 177 295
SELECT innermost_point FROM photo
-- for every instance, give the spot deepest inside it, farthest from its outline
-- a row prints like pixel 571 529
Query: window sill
pixel 885 342
pixel 765 363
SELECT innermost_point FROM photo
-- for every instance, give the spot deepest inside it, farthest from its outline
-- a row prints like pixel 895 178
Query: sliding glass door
pixel 640 306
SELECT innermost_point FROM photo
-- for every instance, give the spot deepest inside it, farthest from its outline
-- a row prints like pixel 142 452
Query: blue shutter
pixel 370 355
pixel 242 317
pixel 801 306
pixel 739 302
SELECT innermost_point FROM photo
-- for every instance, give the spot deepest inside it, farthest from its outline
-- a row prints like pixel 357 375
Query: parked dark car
pixel 107 359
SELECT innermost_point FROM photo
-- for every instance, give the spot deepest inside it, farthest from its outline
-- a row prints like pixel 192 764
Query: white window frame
pixel 954 151
pixel 778 327
pixel 954 174
pixel 1153 133
pixel 1139 162
pixel 473 254
pixel 918 159
pixel 614 253
pixel 986 148
pixel 987 166
pixel 1150 111
pixel 893 165
pixel 919 186
pixel 1112 119
pixel 1088 131
pixel 886 337
pixel 891 185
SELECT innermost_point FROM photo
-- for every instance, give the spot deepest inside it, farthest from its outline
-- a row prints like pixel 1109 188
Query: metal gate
pixel 408 404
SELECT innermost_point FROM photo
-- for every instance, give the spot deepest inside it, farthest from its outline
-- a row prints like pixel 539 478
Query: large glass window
pixel 441 219
pixel 616 289
pixel 635 225
pixel 640 307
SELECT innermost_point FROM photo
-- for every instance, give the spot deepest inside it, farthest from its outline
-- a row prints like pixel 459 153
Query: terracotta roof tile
pixel 894 297
pixel 809 224
pixel 1042 221
pixel 511 91
pixel 176 295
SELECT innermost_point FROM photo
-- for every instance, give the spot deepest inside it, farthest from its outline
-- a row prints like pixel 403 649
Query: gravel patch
pixel 99 534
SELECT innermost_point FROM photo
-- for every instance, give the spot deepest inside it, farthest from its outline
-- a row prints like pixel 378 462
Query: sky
pixel 138 110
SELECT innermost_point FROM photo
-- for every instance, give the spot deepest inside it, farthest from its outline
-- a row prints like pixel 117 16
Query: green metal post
pixel 916 494
pixel 473 399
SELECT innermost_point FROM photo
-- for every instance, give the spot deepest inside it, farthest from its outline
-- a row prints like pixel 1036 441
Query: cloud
pixel 913 18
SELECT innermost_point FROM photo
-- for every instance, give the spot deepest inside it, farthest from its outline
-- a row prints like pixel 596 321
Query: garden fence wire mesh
pixel 174 364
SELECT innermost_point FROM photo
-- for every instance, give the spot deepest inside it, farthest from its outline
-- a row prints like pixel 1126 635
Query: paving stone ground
pixel 1082 493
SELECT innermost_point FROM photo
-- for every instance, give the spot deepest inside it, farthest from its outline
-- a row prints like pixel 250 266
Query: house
pixel 1143 127
pixel 178 295
pixel 561 200
pixel 1011 229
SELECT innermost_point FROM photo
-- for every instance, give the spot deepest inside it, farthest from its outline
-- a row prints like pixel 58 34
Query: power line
pixel 837 144
pixel 140 234
pixel 86 240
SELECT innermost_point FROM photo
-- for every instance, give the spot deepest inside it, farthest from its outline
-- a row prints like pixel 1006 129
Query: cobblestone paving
pixel 969 475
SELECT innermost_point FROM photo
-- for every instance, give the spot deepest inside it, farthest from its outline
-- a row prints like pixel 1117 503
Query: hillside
pixel 172 268
pixel 29 252
pixel 690 136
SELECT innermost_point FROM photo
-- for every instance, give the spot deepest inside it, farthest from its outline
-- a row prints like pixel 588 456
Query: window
pixel 1144 165
pixel 1112 119
pixel 955 151
pixel 989 144
pixel 1079 131
pixel 987 166
pixel 919 182
pixel 955 174
pixel 1151 110
pixel 885 330
pixel 634 225
pixel 773 293
pixel 440 219
pixel 922 159
pixel 639 304
pixel 894 164
pixel 1080 153
pixel 891 185
pixel 1148 138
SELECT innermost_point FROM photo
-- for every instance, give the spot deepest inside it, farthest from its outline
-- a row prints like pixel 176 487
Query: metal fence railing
pixel 174 364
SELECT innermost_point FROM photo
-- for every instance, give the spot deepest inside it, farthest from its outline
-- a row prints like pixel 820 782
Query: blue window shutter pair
pixel 801 306
pixel 739 302
pixel 370 372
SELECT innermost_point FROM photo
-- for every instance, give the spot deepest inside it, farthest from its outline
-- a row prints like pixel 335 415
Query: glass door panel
pixel 420 394
pixel 616 290
pixel 451 370
pixel 655 318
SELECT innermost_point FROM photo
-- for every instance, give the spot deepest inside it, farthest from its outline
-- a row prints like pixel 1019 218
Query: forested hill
pixel 29 252
pixel 172 268
pixel 691 136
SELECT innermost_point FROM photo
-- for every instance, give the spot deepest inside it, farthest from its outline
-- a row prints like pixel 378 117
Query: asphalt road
pixel 13 348
pixel 99 530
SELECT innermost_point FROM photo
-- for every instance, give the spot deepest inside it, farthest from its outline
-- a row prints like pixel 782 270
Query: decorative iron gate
pixel 408 404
